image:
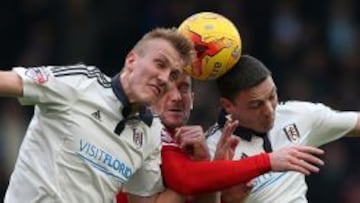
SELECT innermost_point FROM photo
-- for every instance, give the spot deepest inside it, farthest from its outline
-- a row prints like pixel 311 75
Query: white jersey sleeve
pixel 44 84
pixel 325 124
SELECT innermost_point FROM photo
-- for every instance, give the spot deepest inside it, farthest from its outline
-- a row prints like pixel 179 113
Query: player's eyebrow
pixel 164 59
pixel 265 97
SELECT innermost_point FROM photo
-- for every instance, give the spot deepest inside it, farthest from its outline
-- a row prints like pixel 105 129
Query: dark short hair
pixel 246 73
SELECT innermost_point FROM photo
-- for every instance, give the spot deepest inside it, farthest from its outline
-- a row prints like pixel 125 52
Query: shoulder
pixel 300 106
pixel 155 129
pixel 213 133
pixel 156 123
pixel 81 72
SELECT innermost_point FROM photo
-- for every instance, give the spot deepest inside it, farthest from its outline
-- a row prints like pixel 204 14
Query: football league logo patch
pixel 292 133
pixel 166 137
pixel 38 75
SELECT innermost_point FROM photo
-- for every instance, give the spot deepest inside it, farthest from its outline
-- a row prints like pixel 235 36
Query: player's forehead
pixel 163 50
pixel 259 92
pixel 184 79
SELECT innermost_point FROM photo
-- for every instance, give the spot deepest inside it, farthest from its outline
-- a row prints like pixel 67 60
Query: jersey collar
pixel 120 94
pixel 144 114
pixel 245 133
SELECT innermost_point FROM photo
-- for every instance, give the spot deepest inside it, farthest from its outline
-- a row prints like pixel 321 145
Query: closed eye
pixel 160 63
pixel 184 88
pixel 255 104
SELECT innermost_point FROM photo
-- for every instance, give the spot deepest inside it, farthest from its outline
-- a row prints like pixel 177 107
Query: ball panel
pixel 217 42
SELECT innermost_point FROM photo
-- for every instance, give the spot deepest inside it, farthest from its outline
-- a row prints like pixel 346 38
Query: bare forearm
pixel 208 198
pixel 170 196
pixel 163 197
pixel 356 131
pixel 10 84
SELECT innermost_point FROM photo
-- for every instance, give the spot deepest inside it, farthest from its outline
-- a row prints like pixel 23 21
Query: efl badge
pixel 38 75
pixel 138 137
pixel 166 136
pixel 168 139
pixel 292 133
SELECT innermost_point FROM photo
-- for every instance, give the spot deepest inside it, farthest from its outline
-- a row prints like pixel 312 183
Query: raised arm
pixel 10 84
pixel 189 177
pixel 356 131
pixel 164 197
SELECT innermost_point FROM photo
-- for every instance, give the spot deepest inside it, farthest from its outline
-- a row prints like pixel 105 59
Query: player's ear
pixel 226 104
pixel 130 60
pixel 192 101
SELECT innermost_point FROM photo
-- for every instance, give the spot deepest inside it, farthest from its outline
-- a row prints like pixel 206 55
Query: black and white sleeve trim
pixel 88 71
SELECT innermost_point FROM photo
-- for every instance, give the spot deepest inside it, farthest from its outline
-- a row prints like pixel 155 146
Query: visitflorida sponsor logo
pixel 104 161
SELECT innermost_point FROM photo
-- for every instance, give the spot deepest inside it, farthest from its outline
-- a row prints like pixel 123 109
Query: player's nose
pixel 269 108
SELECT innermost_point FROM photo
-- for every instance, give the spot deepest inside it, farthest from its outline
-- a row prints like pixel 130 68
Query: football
pixel 217 42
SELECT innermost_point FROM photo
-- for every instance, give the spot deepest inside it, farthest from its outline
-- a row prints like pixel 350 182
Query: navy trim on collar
pixel 143 114
pixel 245 133
pixel 120 94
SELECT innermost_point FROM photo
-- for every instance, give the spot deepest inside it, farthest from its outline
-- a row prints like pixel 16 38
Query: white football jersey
pixel 296 123
pixel 70 152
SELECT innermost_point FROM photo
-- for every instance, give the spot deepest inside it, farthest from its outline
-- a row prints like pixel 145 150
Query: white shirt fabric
pixel 296 123
pixel 70 152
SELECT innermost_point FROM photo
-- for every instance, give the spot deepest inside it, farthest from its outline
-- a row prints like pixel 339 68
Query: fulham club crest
pixel 138 137
pixel 292 133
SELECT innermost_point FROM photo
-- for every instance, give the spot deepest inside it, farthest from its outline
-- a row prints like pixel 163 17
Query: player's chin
pixel 263 127
pixel 268 127
pixel 174 123
pixel 178 121
pixel 152 98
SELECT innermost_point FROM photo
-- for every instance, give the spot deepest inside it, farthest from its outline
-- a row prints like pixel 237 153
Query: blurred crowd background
pixel 312 47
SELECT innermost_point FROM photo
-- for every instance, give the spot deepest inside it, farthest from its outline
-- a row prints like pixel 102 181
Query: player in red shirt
pixel 186 167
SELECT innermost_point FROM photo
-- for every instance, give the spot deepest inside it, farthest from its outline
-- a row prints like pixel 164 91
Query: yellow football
pixel 217 42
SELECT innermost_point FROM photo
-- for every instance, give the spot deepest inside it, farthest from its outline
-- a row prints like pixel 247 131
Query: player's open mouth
pixel 176 110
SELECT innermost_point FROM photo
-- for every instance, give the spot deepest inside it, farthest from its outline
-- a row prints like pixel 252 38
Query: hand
pixel 237 193
pixel 225 148
pixel 192 140
pixel 297 158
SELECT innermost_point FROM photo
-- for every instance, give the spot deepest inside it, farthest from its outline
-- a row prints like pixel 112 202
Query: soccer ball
pixel 217 43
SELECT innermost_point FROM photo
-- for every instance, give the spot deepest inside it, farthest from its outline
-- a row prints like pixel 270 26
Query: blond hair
pixel 183 45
